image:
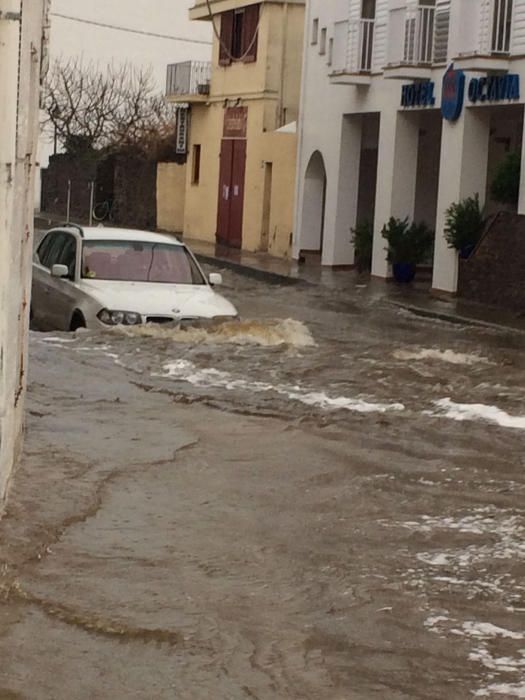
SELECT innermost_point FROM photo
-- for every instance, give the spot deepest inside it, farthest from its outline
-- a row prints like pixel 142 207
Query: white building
pixel 22 58
pixel 374 139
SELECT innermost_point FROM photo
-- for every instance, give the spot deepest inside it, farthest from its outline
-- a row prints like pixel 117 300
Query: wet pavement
pixel 323 501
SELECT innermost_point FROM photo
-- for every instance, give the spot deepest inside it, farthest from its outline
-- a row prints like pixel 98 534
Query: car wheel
pixel 78 321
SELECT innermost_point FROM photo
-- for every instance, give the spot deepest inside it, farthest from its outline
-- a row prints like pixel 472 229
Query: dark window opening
pixel 239 30
pixel 196 164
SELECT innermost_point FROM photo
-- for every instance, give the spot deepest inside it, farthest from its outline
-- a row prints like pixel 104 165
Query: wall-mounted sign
pixel 235 122
pixel 182 131
pixel 453 93
pixel 494 88
pixel 418 94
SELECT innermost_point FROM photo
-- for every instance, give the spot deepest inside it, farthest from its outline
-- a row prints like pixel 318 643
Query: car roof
pixel 103 233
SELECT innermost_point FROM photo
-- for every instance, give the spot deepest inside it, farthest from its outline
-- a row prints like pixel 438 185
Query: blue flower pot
pixel 404 272
pixel 466 251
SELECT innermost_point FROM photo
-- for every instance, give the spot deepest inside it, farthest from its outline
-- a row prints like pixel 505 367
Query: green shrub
pixel 407 242
pixel 505 187
pixel 464 223
pixel 363 240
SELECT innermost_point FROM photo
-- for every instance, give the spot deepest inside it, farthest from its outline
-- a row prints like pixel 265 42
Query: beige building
pixel 241 124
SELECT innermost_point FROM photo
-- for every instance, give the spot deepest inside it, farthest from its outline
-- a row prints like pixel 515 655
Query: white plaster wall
pixel 409 182
pixel 17 166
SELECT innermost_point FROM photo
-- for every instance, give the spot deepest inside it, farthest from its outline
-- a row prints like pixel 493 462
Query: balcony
pixel 188 81
pixel 412 58
pixel 353 53
pixel 489 38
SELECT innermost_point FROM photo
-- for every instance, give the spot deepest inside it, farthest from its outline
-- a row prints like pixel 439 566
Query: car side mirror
pixel 60 271
pixel 215 279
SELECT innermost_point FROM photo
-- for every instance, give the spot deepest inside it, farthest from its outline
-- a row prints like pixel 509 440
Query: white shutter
pixel 380 36
pixel 441 31
pixel 518 28
pixel 340 50
pixel 485 27
pixel 354 38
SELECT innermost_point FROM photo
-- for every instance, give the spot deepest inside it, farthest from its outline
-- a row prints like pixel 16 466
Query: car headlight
pixel 119 318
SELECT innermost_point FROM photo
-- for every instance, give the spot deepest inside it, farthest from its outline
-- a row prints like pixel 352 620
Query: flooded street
pixel 322 501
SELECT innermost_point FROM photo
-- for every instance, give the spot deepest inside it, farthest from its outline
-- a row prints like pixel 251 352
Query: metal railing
pixel 366 45
pixel 419 35
pixel 501 26
pixel 188 78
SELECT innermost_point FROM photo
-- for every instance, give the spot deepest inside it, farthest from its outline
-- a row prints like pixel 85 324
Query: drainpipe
pixel 283 65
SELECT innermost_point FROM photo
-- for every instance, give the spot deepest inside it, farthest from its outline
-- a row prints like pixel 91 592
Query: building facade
pixel 22 45
pixel 407 106
pixel 240 124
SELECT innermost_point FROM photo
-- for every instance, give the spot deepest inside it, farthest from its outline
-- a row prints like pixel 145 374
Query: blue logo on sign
pixel 453 93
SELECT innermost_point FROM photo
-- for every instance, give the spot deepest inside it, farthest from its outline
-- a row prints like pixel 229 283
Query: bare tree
pixel 90 108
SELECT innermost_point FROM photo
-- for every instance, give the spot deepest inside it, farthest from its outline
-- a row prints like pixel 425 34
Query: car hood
pixel 148 299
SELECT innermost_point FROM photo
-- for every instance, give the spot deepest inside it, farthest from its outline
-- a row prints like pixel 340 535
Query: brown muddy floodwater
pixel 324 501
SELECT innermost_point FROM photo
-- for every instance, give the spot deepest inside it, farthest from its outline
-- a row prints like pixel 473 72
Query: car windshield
pixel 139 261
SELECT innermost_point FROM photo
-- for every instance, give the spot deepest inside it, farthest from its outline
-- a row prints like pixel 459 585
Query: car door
pixel 44 297
pixel 64 289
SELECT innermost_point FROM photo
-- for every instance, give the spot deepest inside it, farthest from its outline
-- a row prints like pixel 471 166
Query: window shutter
pixel 251 23
pixel 226 38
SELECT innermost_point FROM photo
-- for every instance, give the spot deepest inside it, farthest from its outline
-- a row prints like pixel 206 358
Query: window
pixel 68 255
pixel 330 52
pixel 138 261
pixel 196 164
pixel 239 35
pixel 501 26
pixel 368 9
pixel 322 43
pixel 50 248
pixel 315 31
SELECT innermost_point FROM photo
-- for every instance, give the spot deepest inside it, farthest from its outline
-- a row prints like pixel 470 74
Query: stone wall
pixel 80 171
pixel 129 181
pixel 495 273
pixel 135 192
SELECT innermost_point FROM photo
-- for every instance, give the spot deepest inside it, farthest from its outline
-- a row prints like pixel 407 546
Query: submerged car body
pixel 102 277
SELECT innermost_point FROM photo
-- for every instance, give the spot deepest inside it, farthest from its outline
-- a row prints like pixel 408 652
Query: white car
pixel 102 277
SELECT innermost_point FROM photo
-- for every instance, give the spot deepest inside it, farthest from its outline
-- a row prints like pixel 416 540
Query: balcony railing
pixel 188 78
pixel 501 26
pixel 366 45
pixel 419 36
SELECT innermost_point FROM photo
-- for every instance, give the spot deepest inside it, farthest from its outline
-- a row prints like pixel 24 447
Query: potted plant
pixel 505 187
pixel 464 225
pixel 363 240
pixel 409 244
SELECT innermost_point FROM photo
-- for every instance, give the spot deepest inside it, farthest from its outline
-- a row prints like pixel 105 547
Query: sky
pixel 70 38
pixel 169 17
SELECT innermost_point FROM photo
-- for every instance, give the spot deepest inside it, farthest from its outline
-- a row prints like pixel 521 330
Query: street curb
pixel 453 318
pixel 247 271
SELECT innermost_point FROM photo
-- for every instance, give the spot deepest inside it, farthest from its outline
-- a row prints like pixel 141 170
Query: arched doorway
pixel 314 198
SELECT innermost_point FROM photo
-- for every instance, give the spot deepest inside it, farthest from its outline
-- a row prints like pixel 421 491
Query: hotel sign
pixel 487 89
pixel 182 131
pixel 494 88
pixel 418 94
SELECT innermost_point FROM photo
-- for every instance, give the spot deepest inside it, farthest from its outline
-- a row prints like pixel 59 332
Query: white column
pixel 396 178
pixel 342 194
pixel 521 200
pixel 463 173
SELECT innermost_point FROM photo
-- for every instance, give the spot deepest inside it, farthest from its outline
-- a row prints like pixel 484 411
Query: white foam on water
pixel 478 411
pixel 486 630
pixel 59 341
pixel 187 371
pixel 450 356
pixel 516 690
pixel 267 333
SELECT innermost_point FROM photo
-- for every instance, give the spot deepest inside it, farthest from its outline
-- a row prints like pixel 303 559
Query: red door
pixel 231 192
